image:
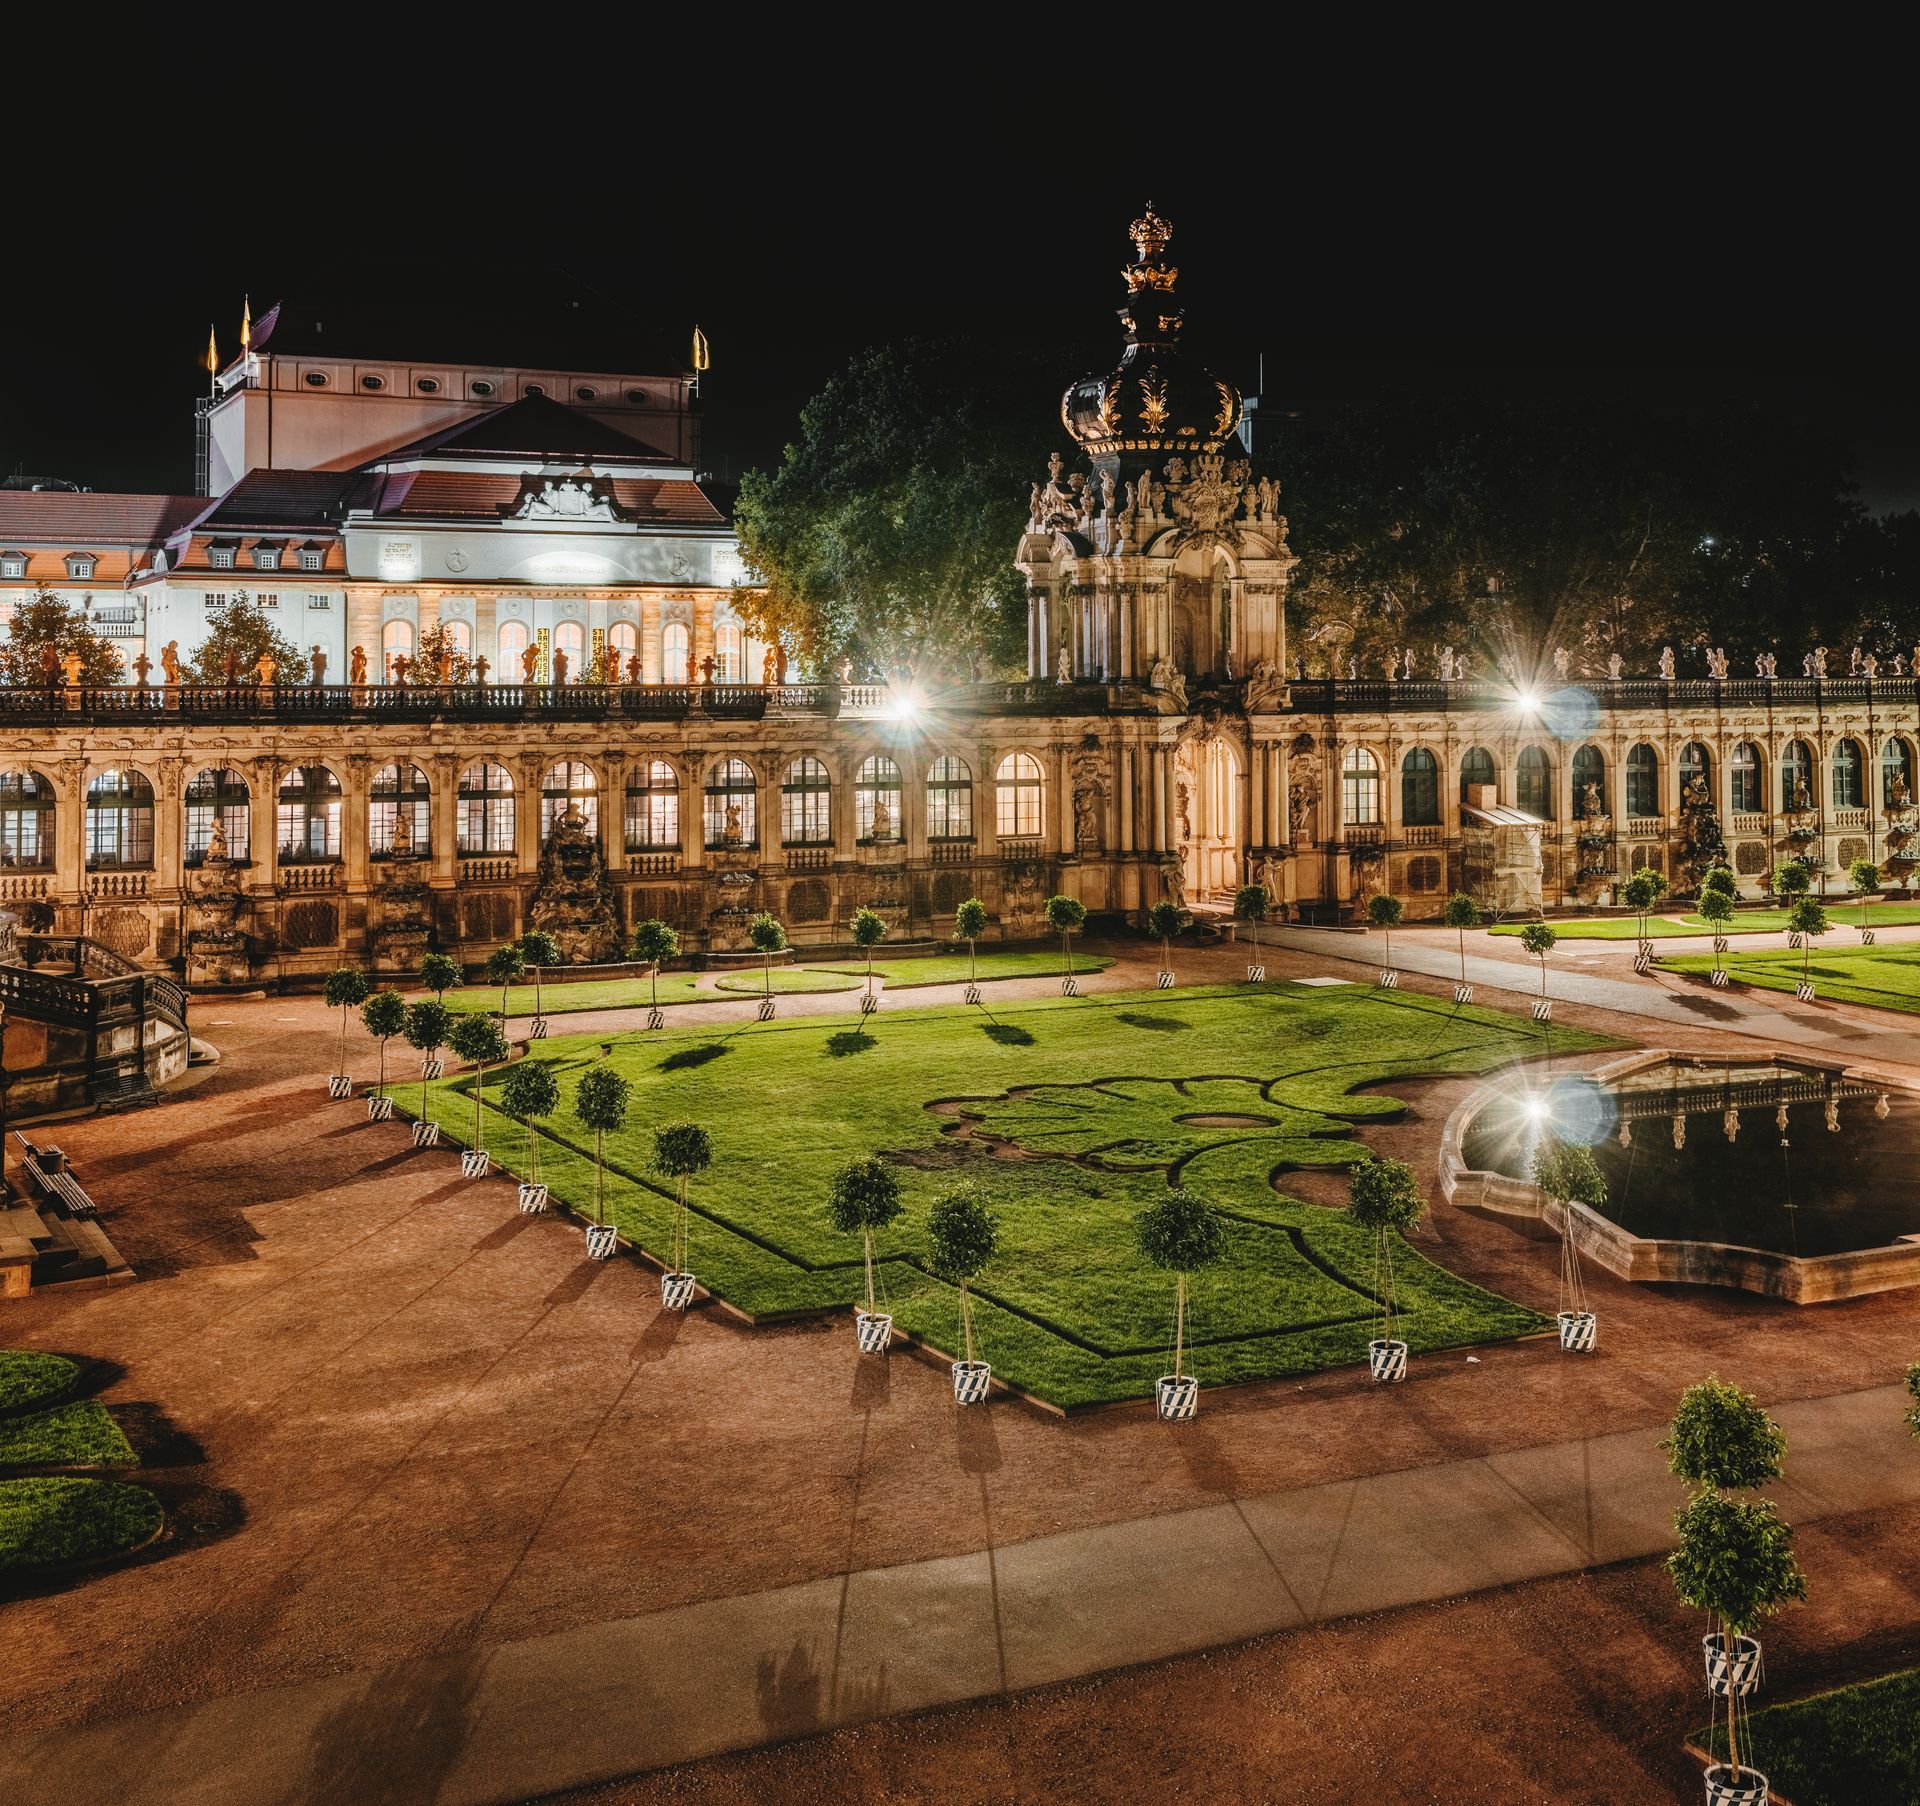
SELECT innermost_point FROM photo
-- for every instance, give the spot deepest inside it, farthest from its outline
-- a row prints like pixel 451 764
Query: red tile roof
pixel 471 495
pixel 535 427
pixel 86 519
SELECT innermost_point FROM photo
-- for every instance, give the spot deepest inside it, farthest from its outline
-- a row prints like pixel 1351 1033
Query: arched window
pixel 513 646
pixel 396 641
pixel 399 812
pixel 676 648
pixel 1848 791
pixel 307 816
pixel 26 820
pixel 485 799
pixel 1796 776
pixel 119 821
pixel 805 805
pixel 568 785
pixel 1896 774
pixel 1589 783
pixel 1533 783
pixel 732 815
pixel 219 796
pixel 1019 810
pixel 1419 789
pixel 1743 775
pixel 1643 781
pixel 876 801
pixel 571 638
pixel 1696 767
pixel 1359 787
pixel 950 799
pixel 1476 767
pixel 623 640
pixel 459 635
pixel 729 657
pixel 653 807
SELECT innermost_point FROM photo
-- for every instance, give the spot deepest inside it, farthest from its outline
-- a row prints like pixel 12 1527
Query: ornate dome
pixel 1153 400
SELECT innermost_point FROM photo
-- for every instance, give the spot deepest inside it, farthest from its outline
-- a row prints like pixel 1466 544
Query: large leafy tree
pixel 888 532
pixel 48 619
pixel 238 624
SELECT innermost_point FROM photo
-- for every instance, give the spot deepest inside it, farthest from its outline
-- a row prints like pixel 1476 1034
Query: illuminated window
pixel 512 641
pixel 1533 783
pixel 26 820
pixel 728 658
pixel 950 799
pixel 806 799
pixel 1018 797
pixel 1420 789
pixel 485 813
pixel 653 807
pixel 732 815
pixel 676 649
pixel 399 793
pixel 570 638
pixel 1359 787
pixel 396 641
pixel 876 800
pixel 307 816
pixel 222 796
pixel 569 784
pixel 623 641
pixel 119 821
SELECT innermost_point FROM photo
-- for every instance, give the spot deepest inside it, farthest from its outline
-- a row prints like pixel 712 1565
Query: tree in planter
pixel 1864 876
pixel 600 1102
pixel 1568 1173
pixel 654 943
pixel 506 966
pixel 428 1025
pixel 1808 920
pixel 477 1040
pixel 531 1090
pixel 970 923
pixel 1164 920
pixel 767 938
pixel 383 1016
pixel 538 950
pixel 439 974
pixel 347 989
pixel 1385 911
pixel 48 619
pixel 1064 916
pixel 1720 878
pixel 865 1197
pixel 1385 1199
pixel 1716 908
pixel 1641 892
pixel 869 930
pixel 1180 1234
pixel 240 631
pixel 1791 879
pixel 1722 1438
pixel 1539 940
pixel 1462 913
pixel 1250 905
pixel 962 1239
pixel 680 1150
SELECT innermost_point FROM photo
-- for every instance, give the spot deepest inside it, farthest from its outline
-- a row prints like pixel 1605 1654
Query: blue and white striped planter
pixel 765 1011
pixel 379 1109
pixel 1163 981
pixel 426 1134
pixel 432 1067
pixel 872 1331
pixel 656 1019
pixel 603 1241
pixel 1579 1331
pixel 1463 993
pixel 971 1382
pixel 1389 979
pixel 538 1032
pixel 475 1164
pixel 1387 1361
pixel 1176 1399
pixel 971 994
pixel 676 1291
pixel 1543 1009
pixel 339 1085
pixel 1256 975
pixel 533 1199
pixel 1069 987
pixel 1735 1675
pixel 1724 1790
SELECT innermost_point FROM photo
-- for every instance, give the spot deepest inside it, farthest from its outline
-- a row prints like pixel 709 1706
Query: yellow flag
pixel 213 354
pixel 246 326
pixel 701 357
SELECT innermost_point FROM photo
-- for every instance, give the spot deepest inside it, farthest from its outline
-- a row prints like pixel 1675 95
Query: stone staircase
pixel 40 1246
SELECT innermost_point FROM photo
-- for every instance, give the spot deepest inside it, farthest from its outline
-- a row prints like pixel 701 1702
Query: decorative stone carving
pixel 1265 687
pixel 575 498
pixel 1303 790
pixel 1089 771
pixel 1206 502
pixel 572 897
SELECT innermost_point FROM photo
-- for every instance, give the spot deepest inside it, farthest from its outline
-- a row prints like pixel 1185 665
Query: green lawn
pixel 58 1518
pixel 1859 1746
pixel 28 1378
pixel 588 994
pixel 786 980
pixel 79 1434
pixel 1745 921
pixel 951 968
pixel 1101 1092
pixel 1886 976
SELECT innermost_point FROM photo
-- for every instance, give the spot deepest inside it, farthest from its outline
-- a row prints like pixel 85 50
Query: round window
pixel 583 393
pixel 536 388
pixel 483 389
pixel 316 379
pixel 428 385
pixel 638 397
pixel 373 382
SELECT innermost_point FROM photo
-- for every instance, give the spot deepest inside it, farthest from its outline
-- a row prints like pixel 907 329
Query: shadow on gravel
pixel 156 1439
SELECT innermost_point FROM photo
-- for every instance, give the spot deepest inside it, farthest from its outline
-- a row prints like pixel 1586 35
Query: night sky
pixel 1458 244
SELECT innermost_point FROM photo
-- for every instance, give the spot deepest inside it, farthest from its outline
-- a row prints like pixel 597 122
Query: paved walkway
pixel 521 1718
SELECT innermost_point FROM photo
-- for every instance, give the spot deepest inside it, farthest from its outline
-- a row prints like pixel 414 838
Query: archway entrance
pixel 1207 779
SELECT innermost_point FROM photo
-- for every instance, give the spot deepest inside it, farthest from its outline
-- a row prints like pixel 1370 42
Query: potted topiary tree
pixel 1164 920
pixel 1807 922
pixel 439 974
pixel 970 923
pixel 383 1016
pixel 531 1090
pixel 1065 914
pixel 600 1104
pixel 869 930
pixel 767 938
pixel 347 990
pixel 1250 904
pixel 654 943
pixel 680 1150
pixel 1385 1198
pixel 1640 893
pixel 1864 875
pixel 1567 1174
pixel 478 1040
pixel 1716 908
pixel 429 1022
pixel 962 1238
pixel 1538 939
pixel 1385 911
pixel 1791 879
pixel 538 950
pixel 506 966
pixel 1180 1234
pixel 866 1197
pixel 1462 913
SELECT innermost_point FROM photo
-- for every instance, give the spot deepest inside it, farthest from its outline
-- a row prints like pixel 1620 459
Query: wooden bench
pixel 51 1178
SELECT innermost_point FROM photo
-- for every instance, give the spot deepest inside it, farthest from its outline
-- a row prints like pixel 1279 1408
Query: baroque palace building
pixel 594 738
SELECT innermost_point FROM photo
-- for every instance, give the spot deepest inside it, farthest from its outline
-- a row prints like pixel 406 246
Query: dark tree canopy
pixel 237 624
pixel 48 619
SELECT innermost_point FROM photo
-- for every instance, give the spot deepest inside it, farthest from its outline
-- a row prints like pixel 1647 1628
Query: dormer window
pixel 80 565
pixel 220 557
pixel 313 558
pixel 13 565
pixel 266 558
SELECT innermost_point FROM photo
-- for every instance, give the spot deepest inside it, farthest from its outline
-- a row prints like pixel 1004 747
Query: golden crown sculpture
pixel 1150 234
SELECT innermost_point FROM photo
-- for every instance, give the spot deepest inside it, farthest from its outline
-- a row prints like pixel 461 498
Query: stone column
pixel 1256 824
pixel 70 832
pixel 650 668
pixel 263 824
pixel 526 813
pixel 702 632
pixel 353 824
pixel 1128 799
pixel 443 772
pixel 1063 801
